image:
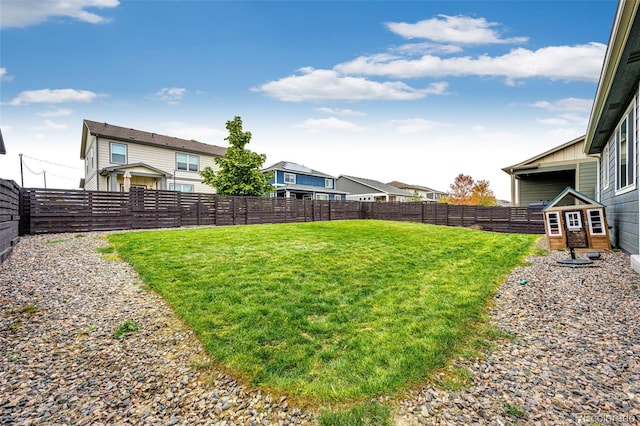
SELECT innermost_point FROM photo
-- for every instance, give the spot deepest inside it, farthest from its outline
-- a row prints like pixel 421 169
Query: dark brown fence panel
pixel 51 210
pixel 9 217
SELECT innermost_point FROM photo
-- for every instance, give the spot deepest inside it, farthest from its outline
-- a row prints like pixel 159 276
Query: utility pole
pixel 21 173
pixel 44 172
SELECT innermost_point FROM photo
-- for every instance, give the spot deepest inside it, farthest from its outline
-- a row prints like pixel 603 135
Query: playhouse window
pixel 574 221
pixel 553 222
pixel 596 224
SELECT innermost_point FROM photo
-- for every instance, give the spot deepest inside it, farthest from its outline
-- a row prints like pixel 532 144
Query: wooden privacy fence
pixel 52 211
pixel 9 217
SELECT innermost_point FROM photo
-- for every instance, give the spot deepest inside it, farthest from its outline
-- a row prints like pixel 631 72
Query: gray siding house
pixel 361 189
pixel 612 132
pixel 540 179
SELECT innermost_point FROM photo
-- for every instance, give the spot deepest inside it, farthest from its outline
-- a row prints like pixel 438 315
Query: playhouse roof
pixel 582 199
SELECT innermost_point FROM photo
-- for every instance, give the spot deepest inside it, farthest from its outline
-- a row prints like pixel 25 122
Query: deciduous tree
pixel 240 169
pixel 465 191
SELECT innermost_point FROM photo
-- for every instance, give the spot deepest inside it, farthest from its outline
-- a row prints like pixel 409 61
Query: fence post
pixel 246 210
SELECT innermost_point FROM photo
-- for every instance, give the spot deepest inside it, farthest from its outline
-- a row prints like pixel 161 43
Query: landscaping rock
pixel 571 355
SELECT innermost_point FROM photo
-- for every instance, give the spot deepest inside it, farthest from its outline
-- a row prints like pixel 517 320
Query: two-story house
pixel 361 189
pixel 292 180
pixel 418 191
pixel 148 159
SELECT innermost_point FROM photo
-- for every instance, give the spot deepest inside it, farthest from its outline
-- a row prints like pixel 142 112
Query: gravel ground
pixel 573 356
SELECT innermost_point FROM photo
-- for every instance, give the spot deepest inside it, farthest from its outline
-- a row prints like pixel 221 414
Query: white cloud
pixel 453 29
pixel 415 125
pixel 331 123
pixel 62 112
pixel 580 62
pixel 341 111
pixel 4 76
pixel 566 104
pixel 53 96
pixel 324 85
pixel 52 125
pixel 171 95
pixel 415 49
pixel 23 13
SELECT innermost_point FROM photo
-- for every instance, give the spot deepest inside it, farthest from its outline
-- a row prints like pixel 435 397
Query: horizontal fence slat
pixel 51 210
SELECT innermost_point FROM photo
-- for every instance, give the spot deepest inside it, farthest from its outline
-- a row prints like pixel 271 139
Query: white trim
pixel 558 229
pixel 601 219
pixel 631 143
pixel 573 220
pixel 285 175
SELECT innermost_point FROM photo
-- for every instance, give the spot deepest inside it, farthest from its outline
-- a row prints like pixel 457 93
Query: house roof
pixel 402 185
pixel 289 166
pixel 533 162
pixel 125 167
pixel 618 79
pixel 124 134
pixel 378 186
pixel 3 150
pixel 577 195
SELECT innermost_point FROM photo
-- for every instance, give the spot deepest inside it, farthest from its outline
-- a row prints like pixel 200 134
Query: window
pixel 596 224
pixel 574 221
pixel 553 224
pixel 322 196
pixel 181 187
pixel 328 183
pixel 187 162
pixel 118 153
pixel 289 178
pixel 625 154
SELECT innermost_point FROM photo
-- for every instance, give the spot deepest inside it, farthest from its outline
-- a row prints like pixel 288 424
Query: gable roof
pixel 289 166
pixel 378 186
pixel 619 76
pixel 106 130
pixel 3 150
pixel 577 195
pixel 532 162
pixel 402 185
pixel 105 171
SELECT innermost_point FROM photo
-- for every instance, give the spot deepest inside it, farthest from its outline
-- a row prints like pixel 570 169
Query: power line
pixel 28 168
pixel 50 162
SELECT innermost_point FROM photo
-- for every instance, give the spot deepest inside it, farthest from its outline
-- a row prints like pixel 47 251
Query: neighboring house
pixel 3 150
pixel 153 161
pixel 613 130
pixel 538 180
pixel 361 189
pixel 425 194
pixel 292 180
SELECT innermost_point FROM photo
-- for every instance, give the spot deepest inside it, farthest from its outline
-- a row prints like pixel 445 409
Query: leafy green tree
pixel 240 169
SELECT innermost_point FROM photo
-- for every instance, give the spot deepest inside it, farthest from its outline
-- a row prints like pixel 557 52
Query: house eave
pixel 618 79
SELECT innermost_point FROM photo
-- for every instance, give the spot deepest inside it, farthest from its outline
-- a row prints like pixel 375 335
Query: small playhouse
pixel 576 221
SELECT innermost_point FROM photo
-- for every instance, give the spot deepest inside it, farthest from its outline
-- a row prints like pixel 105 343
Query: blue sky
pixel 415 91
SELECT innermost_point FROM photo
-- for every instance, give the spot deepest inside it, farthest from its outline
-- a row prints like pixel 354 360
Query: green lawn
pixel 327 311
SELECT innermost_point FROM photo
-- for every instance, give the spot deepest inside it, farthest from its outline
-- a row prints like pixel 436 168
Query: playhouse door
pixel 576 232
